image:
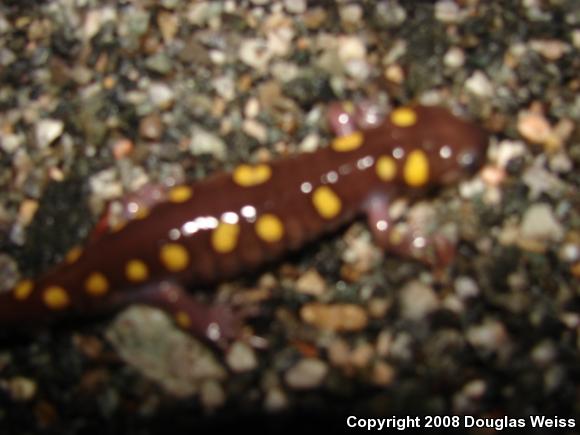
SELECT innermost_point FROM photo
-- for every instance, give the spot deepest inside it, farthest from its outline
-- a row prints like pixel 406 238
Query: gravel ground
pixel 99 98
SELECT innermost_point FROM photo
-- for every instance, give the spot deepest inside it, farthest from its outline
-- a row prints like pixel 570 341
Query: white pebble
pixel 454 58
pixel 351 13
pixel 47 131
pixel 309 143
pixel 351 47
pixel 252 108
pixel 255 129
pixel 306 374
pixel 466 287
pixel 241 357
pixel 540 224
pixel 447 11
pixel 225 87
pixel 295 6
pixel 161 95
pixel 418 300
pixel 204 142
pixel 255 53
pixel 508 150
pixel 479 85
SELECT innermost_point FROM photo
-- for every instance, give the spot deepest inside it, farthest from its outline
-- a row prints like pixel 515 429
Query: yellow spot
pixel 56 297
pixel 224 238
pixel 396 237
pixel 141 213
pixel 386 168
pixel 246 175
pixel 404 117
pixel 269 228
pixel 350 142
pixel 326 202
pixel 416 170
pixel 118 226
pixel 96 284
pixel 23 289
pixel 136 271
pixel 73 255
pixel 174 257
pixel 180 194
pixel 182 319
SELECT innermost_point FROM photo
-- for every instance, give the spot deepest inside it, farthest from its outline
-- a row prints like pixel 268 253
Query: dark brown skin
pixel 453 149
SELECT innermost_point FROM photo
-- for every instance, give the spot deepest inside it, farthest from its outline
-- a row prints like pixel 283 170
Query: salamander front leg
pixel 217 324
pixel 404 238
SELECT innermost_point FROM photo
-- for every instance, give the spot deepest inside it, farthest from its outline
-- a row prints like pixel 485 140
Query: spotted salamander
pixel 215 229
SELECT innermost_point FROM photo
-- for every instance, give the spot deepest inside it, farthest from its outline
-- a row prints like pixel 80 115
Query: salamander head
pixel 428 146
pixel 456 147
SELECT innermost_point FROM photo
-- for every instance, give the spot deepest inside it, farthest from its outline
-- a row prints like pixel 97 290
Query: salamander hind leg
pixel 408 238
pixel 216 324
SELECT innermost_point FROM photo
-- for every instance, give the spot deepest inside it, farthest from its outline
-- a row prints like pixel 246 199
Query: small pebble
pixel 339 352
pixel 275 400
pixel 168 23
pixel 391 13
pixel 204 142
pixel 466 287
pixel 490 335
pixel 569 252
pixel 378 307
pixel 351 47
pixel 255 129
pixel 534 127
pixel 47 131
pixel 252 108
pixel 105 185
pixel 311 283
pixel 540 225
pixel 122 148
pixel 314 17
pixel 508 150
pixel 161 95
pixel 21 389
pixel 383 374
pixel 335 317
pixel 28 209
pixel 309 143
pixel 295 6
pixel 560 163
pixel 417 300
pixel 212 395
pixel 543 353
pixel 447 11
pixel 9 273
pixel 351 14
pixel 576 38
pixel 479 85
pixel 11 142
pixel 395 73
pixel 241 357
pixel 151 127
pixel 308 373
pixel 551 49
pixel 454 58
pixel 159 63
pixel 255 53
pixel 225 86
pixel 362 355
